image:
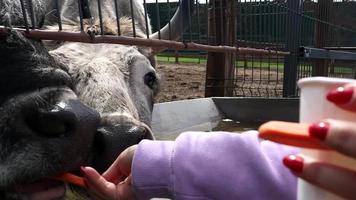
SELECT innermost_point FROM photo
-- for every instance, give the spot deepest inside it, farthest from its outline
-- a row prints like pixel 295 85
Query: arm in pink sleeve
pixel 216 165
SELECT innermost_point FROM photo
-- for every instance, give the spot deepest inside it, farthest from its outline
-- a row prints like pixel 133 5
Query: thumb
pixel 121 168
pixel 98 184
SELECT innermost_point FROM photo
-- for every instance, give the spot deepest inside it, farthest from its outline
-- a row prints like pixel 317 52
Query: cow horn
pixel 174 29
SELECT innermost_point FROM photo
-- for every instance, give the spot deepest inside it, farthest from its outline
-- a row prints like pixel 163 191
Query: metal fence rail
pixel 252 46
pixel 32 31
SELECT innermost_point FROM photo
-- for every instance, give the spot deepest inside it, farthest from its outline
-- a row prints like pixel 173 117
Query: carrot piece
pixel 294 134
pixel 70 178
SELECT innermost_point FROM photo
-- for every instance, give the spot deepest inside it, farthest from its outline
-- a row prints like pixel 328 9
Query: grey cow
pixel 75 104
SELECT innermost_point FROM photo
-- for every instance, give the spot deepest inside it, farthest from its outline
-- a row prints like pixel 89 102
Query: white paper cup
pixel 314 107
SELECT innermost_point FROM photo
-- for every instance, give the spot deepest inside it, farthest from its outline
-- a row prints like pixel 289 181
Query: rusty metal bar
pixel 32 14
pixel 169 22
pixel 80 9
pixel 24 14
pixel 118 18
pixel 321 67
pixel 190 23
pixel 198 19
pixel 86 9
pixel 146 19
pixel 158 21
pixel 133 19
pixel 212 2
pixel 109 39
pixel 101 18
pixel 181 19
pixel 293 30
pixel 221 23
pixel 58 15
pixel 207 22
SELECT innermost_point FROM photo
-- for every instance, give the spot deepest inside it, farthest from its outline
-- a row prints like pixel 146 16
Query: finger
pixel 121 168
pixel 344 97
pixel 98 184
pixel 125 190
pixel 338 180
pixel 93 192
pixel 339 135
pixel 113 173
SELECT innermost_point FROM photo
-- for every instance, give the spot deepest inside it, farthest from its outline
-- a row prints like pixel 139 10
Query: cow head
pixel 120 83
pixel 77 104
pixel 59 112
pixel 44 128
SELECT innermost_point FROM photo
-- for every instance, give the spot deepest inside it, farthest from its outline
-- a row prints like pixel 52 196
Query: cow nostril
pixel 53 123
pixel 148 132
pixel 142 131
pixel 139 131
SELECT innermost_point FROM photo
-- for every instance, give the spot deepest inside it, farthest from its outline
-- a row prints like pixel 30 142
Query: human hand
pixel 341 137
pixel 116 182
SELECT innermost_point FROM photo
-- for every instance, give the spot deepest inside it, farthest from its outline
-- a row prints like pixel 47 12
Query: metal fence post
pixel 322 35
pixel 221 66
pixel 293 35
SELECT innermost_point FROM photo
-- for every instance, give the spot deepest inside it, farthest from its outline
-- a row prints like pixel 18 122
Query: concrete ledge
pixel 258 109
pixel 172 118
pixel 175 117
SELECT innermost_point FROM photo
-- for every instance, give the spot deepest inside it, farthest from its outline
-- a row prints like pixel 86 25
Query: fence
pixel 254 48
pixel 290 26
pixel 278 26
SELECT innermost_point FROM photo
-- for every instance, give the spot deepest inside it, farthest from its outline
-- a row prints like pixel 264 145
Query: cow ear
pixel 148 53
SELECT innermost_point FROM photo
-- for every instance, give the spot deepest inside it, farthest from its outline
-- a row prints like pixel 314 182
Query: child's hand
pixel 115 183
pixel 338 135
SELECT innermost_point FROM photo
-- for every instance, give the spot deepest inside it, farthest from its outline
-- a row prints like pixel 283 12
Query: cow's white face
pixel 120 83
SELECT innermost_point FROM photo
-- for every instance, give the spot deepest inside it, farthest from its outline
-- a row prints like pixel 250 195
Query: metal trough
pixel 172 118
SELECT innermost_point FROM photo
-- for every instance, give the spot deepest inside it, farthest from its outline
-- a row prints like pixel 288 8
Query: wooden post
pixel 176 56
pixel 231 41
pixel 221 66
pixel 322 31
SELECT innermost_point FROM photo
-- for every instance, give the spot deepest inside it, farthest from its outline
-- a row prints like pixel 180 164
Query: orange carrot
pixel 294 134
pixel 70 178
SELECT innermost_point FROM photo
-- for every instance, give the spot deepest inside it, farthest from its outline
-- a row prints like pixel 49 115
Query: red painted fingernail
pixel 341 95
pixel 294 163
pixel 319 130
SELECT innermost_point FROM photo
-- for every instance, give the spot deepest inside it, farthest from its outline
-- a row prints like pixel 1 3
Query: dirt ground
pixel 187 81
pixel 181 81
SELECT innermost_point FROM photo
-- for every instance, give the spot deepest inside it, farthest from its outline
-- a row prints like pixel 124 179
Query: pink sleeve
pixel 213 165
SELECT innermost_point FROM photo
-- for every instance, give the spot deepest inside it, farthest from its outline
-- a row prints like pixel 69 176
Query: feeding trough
pixel 220 113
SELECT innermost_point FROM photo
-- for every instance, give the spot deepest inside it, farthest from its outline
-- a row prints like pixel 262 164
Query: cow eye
pixel 150 79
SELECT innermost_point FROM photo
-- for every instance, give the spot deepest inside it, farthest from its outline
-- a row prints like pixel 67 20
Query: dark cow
pixel 76 104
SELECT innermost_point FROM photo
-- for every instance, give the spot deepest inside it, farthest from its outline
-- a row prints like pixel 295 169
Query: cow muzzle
pixel 116 133
pixel 65 117
pixel 44 133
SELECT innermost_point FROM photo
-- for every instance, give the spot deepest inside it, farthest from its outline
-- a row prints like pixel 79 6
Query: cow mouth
pixel 50 188
pixel 45 188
